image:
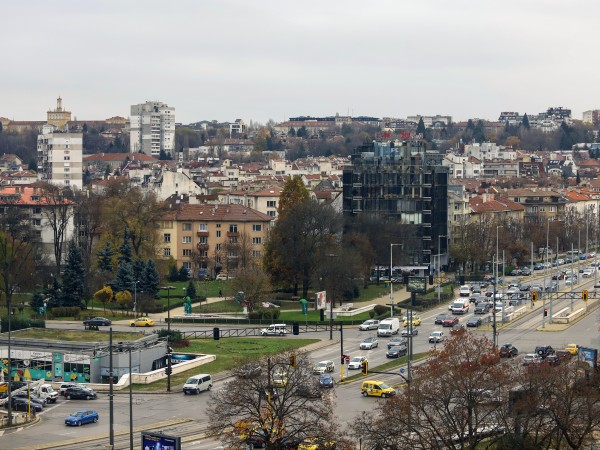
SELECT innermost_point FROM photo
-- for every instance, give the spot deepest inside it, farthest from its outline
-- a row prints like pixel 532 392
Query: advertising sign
pixel 322 300
pixel 159 441
pixel 417 284
pixel 588 355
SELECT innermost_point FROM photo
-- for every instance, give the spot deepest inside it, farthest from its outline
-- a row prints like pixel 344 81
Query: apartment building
pixel 152 129
pixel 60 158
pixel 208 239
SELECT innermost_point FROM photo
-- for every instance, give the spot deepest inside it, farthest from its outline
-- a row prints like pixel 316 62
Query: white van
pixel 197 384
pixel 274 329
pixel 388 327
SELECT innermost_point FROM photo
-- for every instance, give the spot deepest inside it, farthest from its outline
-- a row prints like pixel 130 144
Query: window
pixel 218 259
pixel 186 239
pixel 218 234
pixel 167 237
pixel 187 265
pixel 233 240
pixel 37 222
pixel 256 253
pixel 204 253
pixel 187 252
pixel 218 247
pixel 166 251
pixel 203 240
pixel 256 240
pixel 232 253
pixel 257 227
pixel 37 210
pixel 218 225
pixel 233 228
pixel 271 204
pixel 271 213
pixel 203 227
pixel 187 227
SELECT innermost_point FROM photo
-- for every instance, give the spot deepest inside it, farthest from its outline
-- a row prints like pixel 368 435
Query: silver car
pixel 369 343
pixel 370 324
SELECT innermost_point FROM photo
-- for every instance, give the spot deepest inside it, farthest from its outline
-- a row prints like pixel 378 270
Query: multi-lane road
pixel 186 415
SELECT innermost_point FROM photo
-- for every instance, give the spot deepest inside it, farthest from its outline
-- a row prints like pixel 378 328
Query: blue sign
pixel 159 441
pixel 402 370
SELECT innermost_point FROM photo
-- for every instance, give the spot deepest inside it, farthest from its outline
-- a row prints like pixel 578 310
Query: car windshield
pixel 323 364
pixel 192 381
pixel 383 386
pixel 356 359
pixel 78 414
pixel 385 326
pixel 325 376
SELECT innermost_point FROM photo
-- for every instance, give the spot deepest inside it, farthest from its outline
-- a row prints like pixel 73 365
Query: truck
pixel 460 306
pixel 388 327
pixel 45 392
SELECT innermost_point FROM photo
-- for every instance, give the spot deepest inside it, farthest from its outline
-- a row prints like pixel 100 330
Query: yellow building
pixel 59 117
pixel 207 239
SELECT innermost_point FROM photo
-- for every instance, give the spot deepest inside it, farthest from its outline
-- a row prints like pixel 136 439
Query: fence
pixel 244 332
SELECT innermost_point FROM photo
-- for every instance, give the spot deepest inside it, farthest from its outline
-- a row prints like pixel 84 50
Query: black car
pixel 22 404
pixel 397 351
pixel 97 322
pixel 552 360
pixel 482 308
pixel 439 319
pixel 544 350
pixel 30 396
pixel 508 350
pixel 80 392
pixel 474 322
pixel 398 340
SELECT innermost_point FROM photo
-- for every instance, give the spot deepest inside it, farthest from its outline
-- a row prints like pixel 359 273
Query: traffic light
pixel 430 280
pixel 343 359
pixel 534 296
pixel 365 367
pixel 545 312
pixel 216 333
pixel 584 295
pixel 168 370
pixel 462 280
pixel 296 328
pixel 292 360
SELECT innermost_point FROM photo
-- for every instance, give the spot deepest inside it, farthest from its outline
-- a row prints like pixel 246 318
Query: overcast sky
pixel 260 60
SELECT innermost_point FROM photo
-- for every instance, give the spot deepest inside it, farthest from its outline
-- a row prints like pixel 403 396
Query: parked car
pixel 538 266
pixel 369 343
pixel 62 390
pixel 326 380
pixel 97 322
pixel 80 392
pixel 508 350
pixel 397 351
pixel 531 359
pixel 526 271
pixel 324 366
pixel 411 331
pixel 515 273
pixel 436 337
pixel 31 396
pixel 82 417
pixel 395 341
pixel 552 360
pixel 558 276
pixel 544 350
pixel 22 404
pixel 356 362
pixel 142 322
pixel 450 321
pixel 370 324
pixel 474 322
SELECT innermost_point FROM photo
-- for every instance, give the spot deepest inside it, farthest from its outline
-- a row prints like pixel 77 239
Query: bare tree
pixel 58 210
pixel 250 408
pixel 254 282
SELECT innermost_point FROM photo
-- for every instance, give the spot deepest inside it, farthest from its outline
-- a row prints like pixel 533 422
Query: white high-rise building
pixel 60 158
pixel 152 126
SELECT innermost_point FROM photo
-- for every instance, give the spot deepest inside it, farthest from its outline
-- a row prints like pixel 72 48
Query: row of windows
pixel 204 254
pixel 204 239
pixel 232 228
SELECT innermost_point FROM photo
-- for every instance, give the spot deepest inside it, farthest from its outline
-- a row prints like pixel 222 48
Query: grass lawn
pixel 297 316
pixel 231 353
pixel 224 306
pixel 75 335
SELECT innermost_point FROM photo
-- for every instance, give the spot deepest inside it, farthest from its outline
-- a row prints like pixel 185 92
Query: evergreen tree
pixel 138 269
pixel 73 280
pixel 150 281
pixel 292 132
pixel 124 278
pixel 183 274
pixel 525 122
pixel 37 300
pixel 54 294
pixel 478 133
pixel 293 193
pixel 125 249
pixel 173 273
pixel 421 127
pixel 578 179
pixel 105 255
pixel 470 125
pixel 191 290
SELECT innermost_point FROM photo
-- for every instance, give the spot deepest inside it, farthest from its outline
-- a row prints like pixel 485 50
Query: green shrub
pixel 380 309
pixel 371 314
pixel 19 323
pixel 255 315
pixel 65 311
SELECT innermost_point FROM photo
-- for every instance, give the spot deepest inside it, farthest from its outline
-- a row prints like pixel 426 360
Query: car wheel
pixel 209 387
pixel 383 395
pixel 132 325
pixel 87 397
pixel 147 324
pixel 68 397
pixel 95 419
pixel 364 394
pixel 79 423
pixel 197 391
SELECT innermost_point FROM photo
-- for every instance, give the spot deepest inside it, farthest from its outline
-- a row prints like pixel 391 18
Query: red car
pixel 450 321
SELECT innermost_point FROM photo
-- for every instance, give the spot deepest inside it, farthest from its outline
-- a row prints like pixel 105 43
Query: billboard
pixel 417 284
pixel 321 300
pixel 588 355
pixel 159 441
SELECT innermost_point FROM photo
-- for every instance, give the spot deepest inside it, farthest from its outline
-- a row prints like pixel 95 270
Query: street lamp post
pixel 130 402
pixel 135 298
pixel 168 289
pixel 391 287
pixel 496 289
pixel 439 274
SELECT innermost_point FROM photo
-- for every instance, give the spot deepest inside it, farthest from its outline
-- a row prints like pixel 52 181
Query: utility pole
pixel 111 417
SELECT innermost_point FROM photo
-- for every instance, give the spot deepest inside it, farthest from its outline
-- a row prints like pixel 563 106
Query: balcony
pixel 203 233
pixel 201 246
pixel 232 234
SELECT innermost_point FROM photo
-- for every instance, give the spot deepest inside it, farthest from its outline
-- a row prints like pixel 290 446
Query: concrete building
pixel 60 158
pixel 591 117
pixel 152 128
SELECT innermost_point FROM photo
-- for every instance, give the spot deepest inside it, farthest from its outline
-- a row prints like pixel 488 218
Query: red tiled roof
pixel 493 205
pixel 216 213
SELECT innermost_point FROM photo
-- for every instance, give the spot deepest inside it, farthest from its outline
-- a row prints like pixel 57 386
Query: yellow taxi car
pixel 416 321
pixel 280 379
pixel 316 444
pixel 142 322
pixel 573 349
pixel 376 388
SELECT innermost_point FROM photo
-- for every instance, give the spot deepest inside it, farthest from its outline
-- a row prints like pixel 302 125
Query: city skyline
pixel 266 60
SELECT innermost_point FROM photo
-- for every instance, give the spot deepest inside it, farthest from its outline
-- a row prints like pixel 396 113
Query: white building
pixel 60 158
pixel 152 129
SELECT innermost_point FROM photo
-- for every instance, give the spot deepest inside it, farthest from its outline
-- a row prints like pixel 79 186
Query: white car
pixel 436 336
pixel 464 291
pixel 356 362
pixel 370 324
pixel 369 343
pixel 324 366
